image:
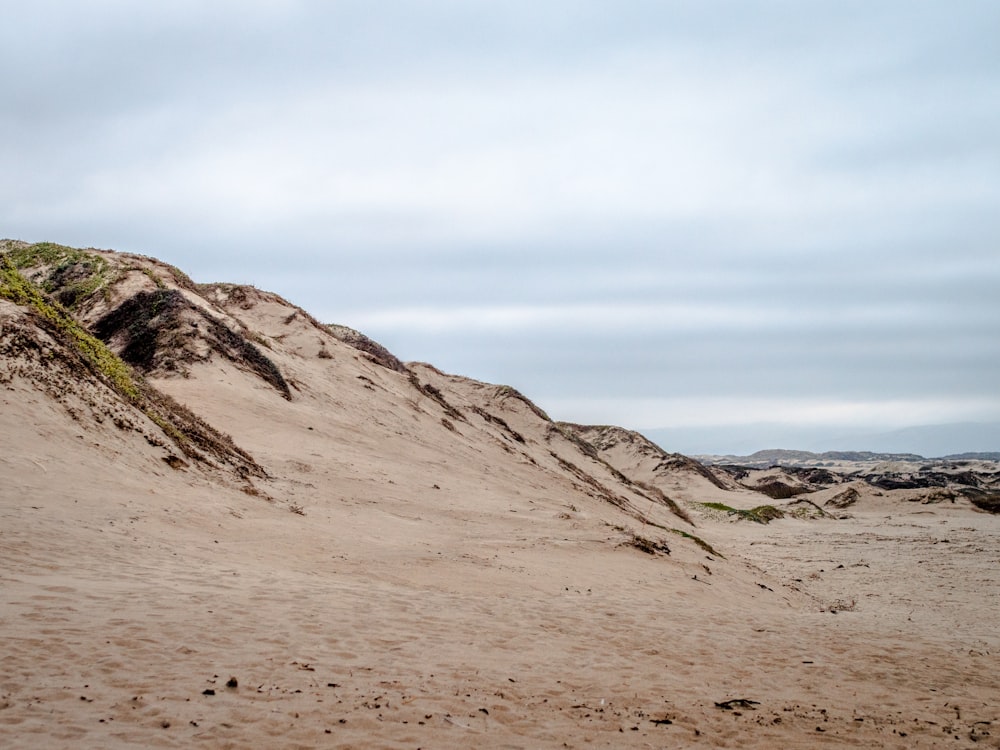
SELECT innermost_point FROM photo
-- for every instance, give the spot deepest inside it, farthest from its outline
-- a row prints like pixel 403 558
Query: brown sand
pixel 365 624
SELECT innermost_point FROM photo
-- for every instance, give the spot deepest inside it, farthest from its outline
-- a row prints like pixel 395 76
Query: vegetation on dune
pixel 652 546
pixel 16 288
pixel 435 393
pixel 761 514
pixel 134 319
pixel 644 544
pixel 152 329
pixel 574 433
pixel 988 501
pixel 189 432
pixel 777 490
pixel 501 423
pixel 379 354
pixel 844 499
pixel 699 541
pixel 73 275
pixel 586 447
pixel 157 281
pixel 504 392
pixel 803 508
pixel 180 278
pixel 662 498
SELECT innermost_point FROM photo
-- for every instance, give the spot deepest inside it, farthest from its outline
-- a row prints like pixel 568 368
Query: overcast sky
pixel 650 213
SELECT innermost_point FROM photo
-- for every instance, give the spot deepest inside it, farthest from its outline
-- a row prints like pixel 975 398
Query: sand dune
pixel 423 560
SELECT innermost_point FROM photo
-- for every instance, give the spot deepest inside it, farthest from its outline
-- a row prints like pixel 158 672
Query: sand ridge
pixel 429 561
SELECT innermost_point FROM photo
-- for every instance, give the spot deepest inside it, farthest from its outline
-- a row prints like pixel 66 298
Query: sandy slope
pixel 117 618
pixel 431 563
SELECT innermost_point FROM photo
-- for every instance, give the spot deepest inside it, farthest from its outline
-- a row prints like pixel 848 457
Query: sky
pixel 704 218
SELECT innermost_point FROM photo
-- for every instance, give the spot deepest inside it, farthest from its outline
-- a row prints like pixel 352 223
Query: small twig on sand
pixel 738 703
pixel 452 721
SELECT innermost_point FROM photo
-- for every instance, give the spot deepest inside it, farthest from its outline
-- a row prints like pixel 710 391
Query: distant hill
pixel 779 457
pixel 933 440
pixel 930 441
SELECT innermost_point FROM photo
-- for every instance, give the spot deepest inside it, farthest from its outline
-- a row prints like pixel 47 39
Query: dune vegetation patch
pixel 645 544
pixel 777 490
pixel 661 497
pixel 378 353
pixel 761 514
pixel 154 329
pixel 699 541
pixel 433 392
pixel 191 434
pixel 988 501
pixel 107 364
pixel 844 499
pixel 71 275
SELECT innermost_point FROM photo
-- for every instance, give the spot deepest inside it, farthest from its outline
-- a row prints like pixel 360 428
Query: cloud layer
pixel 647 213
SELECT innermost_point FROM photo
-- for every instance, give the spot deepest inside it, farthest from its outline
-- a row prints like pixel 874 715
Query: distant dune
pixel 224 523
pixel 930 441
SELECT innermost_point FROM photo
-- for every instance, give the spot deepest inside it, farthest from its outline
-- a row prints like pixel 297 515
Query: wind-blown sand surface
pixel 428 561
pixel 121 607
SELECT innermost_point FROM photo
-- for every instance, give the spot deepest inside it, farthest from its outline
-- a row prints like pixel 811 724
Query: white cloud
pixel 634 319
pixel 649 413
pixel 753 199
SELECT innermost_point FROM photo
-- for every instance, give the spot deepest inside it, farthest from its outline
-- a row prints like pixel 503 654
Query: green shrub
pixel 15 287
pixel 761 514
pixel 73 275
pixel 699 541
pixel 188 431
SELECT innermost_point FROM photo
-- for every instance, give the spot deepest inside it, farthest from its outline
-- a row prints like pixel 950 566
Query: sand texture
pixel 287 538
